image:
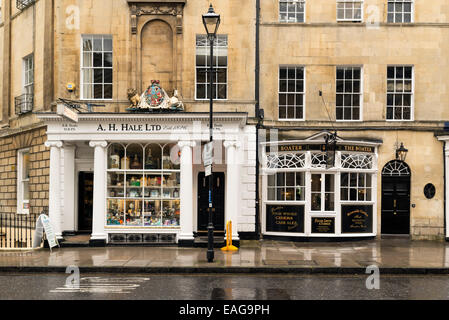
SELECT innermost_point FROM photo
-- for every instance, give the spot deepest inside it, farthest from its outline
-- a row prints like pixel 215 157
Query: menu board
pixel 357 219
pixel 285 218
pixel 323 225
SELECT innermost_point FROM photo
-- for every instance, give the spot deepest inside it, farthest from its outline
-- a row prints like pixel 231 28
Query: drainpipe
pixel 257 98
pixel 445 187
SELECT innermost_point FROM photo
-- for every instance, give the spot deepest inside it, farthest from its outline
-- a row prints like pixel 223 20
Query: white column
pixel 54 207
pixel 99 203
pixel 186 193
pixel 68 222
pixel 232 194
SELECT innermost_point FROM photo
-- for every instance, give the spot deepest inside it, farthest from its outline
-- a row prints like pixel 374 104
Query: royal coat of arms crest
pixel 156 98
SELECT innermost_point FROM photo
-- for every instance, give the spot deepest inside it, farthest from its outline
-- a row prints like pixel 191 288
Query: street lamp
pixel 211 21
pixel 401 152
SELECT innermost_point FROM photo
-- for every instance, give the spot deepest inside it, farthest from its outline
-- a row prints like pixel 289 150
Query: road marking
pixel 103 285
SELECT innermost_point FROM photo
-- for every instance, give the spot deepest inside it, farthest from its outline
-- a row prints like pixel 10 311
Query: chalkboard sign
pixel 285 218
pixel 323 225
pixel 357 219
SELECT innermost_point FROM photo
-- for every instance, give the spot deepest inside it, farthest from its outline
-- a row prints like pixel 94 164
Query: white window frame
pixel 21 181
pixel 412 12
pixel 207 48
pixel 352 19
pixel 28 74
pixel 365 187
pixel 294 93
pixel 360 94
pixel 412 99
pixel 296 12
pixel 323 192
pixel 82 68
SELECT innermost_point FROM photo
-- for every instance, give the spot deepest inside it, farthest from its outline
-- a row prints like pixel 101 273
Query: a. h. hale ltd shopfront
pixel 139 178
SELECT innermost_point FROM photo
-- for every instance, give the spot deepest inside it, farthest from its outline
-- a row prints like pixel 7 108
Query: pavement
pixel 392 256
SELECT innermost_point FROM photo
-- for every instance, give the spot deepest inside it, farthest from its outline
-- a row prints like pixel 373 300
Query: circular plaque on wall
pixel 429 191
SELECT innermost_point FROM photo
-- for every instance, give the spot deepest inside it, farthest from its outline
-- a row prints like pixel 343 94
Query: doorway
pixel 218 213
pixel 85 201
pixel 395 212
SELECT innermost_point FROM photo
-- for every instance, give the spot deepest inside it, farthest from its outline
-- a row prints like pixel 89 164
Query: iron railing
pixel 24 103
pixel 17 230
pixel 23 4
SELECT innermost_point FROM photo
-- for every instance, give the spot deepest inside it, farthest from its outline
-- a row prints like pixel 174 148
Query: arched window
pixel 396 168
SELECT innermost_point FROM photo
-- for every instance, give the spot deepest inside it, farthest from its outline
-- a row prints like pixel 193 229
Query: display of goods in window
pixel 135 164
pixel 124 163
pixel 114 161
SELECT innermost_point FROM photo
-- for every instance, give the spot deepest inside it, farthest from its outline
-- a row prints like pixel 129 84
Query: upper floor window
pixel 24 103
pixel 400 11
pixel 220 64
pixel 399 92
pixel 96 67
pixel 28 74
pixel 291 93
pixel 349 93
pixel 349 10
pixel 291 10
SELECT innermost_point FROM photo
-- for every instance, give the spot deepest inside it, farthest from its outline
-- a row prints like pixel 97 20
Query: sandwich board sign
pixel 43 224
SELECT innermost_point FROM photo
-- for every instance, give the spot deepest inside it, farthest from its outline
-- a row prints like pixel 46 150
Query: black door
pixel 85 201
pixel 395 205
pixel 218 213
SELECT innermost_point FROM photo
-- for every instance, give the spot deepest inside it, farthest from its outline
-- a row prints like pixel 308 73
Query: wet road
pixel 220 287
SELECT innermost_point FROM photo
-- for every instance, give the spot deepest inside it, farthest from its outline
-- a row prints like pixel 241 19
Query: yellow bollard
pixel 229 246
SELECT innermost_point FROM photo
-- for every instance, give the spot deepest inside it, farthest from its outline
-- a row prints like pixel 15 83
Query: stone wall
pixel 39 170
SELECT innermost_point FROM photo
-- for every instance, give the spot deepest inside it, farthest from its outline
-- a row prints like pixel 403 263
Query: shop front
pixel 306 196
pixel 145 175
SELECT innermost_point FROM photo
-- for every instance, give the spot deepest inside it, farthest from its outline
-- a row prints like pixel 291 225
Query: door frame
pixel 224 201
pixel 196 170
pixel 81 165
pixel 400 170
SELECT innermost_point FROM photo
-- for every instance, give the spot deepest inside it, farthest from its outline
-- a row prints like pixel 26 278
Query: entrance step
pixel 202 242
pixel 80 240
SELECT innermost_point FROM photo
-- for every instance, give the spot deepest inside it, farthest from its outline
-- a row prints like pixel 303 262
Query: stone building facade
pixel 355 48
pixel 94 52
pixel 370 70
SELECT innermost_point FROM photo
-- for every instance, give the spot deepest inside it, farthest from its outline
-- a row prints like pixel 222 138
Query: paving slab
pixel 390 255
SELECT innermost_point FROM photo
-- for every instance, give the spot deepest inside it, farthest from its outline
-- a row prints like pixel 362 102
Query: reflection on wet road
pixel 221 287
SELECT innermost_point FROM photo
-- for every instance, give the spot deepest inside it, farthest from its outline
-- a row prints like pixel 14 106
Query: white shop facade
pixel 139 178
pixel 304 197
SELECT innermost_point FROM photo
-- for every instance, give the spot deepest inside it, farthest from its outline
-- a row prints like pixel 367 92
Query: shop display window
pixel 355 186
pixel 286 186
pixel 143 185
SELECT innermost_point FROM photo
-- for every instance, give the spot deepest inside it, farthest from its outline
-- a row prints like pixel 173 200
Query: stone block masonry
pixel 39 172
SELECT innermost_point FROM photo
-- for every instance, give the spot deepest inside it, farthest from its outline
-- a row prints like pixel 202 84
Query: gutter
pixel 445 187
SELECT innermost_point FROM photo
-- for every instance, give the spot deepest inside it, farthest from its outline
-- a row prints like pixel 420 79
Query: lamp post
pixel 211 21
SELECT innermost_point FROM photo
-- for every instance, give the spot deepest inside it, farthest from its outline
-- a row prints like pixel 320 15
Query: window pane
pixel 98 91
pixel 316 182
pixel 98 75
pixel 87 45
pixel 107 44
pixel 25 166
pixel 98 59
pixel 107 62
pixel 107 75
pixel 98 45
pixel 87 59
pixel 107 91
